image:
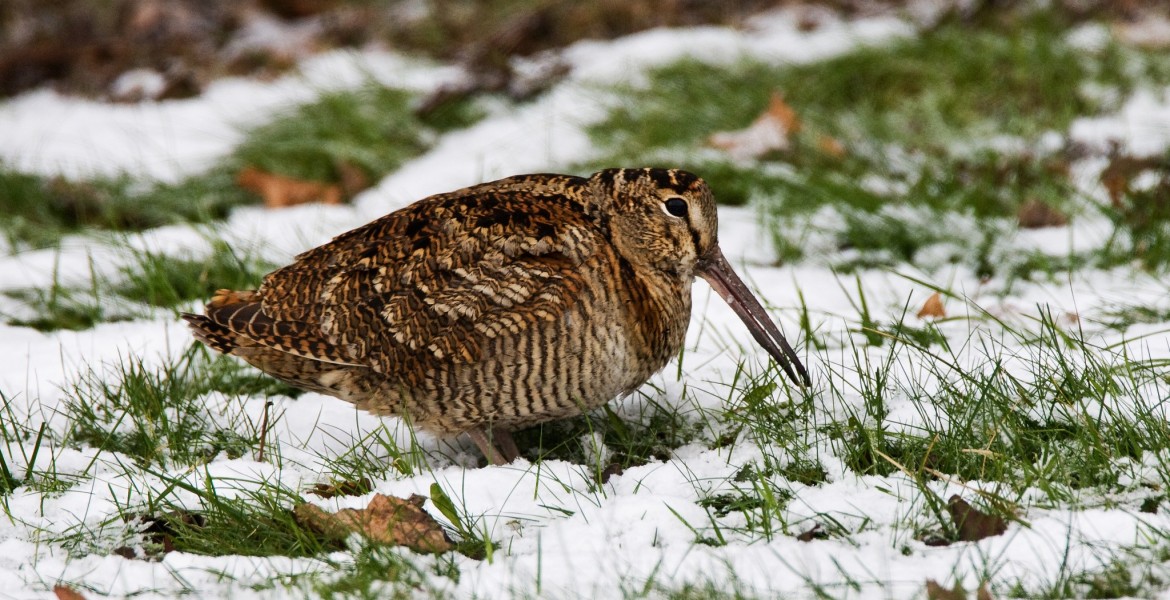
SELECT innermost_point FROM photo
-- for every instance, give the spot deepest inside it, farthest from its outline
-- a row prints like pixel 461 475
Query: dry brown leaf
pixel 609 471
pixel 934 591
pixel 816 533
pixel 64 592
pixel 933 307
pixel 768 133
pixel 279 191
pixel 831 146
pixel 1035 214
pixel 386 520
pixel 1121 170
pixel 974 525
pixel 353 178
pixel 782 112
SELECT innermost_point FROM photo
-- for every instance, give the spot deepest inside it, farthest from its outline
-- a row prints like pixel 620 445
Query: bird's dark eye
pixel 676 207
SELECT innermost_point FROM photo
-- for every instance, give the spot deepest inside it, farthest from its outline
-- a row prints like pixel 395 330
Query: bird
pixel 498 306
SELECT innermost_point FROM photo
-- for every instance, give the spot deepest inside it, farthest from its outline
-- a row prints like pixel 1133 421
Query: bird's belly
pixel 555 370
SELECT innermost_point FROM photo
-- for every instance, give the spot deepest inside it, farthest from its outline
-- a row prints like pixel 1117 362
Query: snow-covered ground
pixel 559 533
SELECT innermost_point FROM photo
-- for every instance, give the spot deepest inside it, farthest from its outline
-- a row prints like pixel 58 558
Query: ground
pixel 959 223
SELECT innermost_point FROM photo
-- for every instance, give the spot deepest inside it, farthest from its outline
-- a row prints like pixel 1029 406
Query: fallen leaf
pixel 352 177
pixel 342 488
pixel 1121 170
pixel 125 552
pixel 933 307
pixel 386 520
pixel 816 533
pixel 609 471
pixel 768 133
pixel 972 524
pixel 279 191
pixel 831 146
pixel 1035 214
pixel 64 592
pixel 934 591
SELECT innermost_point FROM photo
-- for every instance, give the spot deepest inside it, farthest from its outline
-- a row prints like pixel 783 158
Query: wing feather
pixel 437 280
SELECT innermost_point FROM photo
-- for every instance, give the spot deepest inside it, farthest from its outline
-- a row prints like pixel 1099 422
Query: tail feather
pixel 219 338
pixel 236 319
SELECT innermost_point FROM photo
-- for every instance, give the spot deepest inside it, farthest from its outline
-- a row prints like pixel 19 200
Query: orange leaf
pixel 1035 214
pixel 386 520
pixel 768 133
pixel 831 146
pixel 64 592
pixel 279 191
pixel 781 111
pixel 934 591
pixel 933 307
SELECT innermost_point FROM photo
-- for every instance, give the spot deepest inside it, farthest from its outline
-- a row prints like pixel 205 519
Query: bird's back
pixel 502 303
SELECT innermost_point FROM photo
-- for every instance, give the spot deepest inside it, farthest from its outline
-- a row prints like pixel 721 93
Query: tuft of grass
pixel 215 517
pixel 156 415
pixel 917 125
pixel 42 210
pixel 165 281
pixel 374 456
pixel 473 541
pixel 949 84
pixel 29 441
pixel 1068 425
pixel 653 436
pixel 378 572
pixel 62 307
pixel 372 128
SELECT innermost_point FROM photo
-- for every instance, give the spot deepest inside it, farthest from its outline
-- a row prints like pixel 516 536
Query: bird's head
pixel 666 220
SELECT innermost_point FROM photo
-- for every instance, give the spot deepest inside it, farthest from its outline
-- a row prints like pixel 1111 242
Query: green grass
pixel 1024 413
pixel 148 279
pixel 372 129
pixel 628 442
pixel 41 210
pixel 61 306
pixel 949 85
pixel 165 281
pixel 31 443
pixel 157 414
pixel 915 119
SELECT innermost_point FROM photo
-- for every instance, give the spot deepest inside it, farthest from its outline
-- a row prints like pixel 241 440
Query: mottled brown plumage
pixel 494 307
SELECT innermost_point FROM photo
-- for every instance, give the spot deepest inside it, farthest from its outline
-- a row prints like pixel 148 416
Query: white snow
pixel 555 526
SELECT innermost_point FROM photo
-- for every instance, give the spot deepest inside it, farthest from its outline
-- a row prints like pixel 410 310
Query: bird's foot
pixel 496 444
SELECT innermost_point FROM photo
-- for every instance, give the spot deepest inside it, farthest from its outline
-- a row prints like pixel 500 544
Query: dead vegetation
pixel 134 50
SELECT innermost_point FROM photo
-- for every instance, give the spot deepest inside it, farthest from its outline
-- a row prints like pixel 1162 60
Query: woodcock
pixel 495 307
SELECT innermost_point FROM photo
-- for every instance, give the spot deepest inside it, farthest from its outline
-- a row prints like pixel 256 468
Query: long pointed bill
pixel 717 272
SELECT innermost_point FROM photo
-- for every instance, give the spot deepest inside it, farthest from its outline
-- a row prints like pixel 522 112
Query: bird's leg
pixel 493 454
pixel 504 441
pixel 496 444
